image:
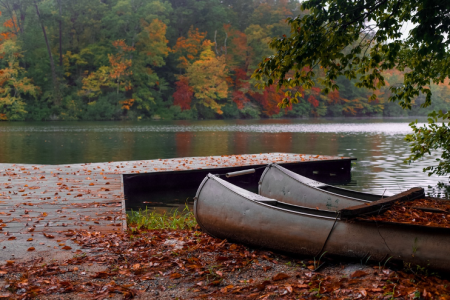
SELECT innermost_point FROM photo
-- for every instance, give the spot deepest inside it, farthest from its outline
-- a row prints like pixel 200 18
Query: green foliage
pixel 230 111
pixel 105 108
pixel 363 42
pixel 432 138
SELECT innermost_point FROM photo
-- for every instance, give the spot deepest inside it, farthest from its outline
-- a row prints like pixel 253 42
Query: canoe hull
pixel 224 212
pixel 286 186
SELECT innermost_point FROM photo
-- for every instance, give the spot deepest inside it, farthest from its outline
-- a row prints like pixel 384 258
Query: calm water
pixel 378 144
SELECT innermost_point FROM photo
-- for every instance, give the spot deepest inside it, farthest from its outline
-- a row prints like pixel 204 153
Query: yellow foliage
pixel 208 78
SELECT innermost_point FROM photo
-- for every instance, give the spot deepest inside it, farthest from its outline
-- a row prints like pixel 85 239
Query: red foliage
pixel 239 97
pixel 315 89
pixel 313 101
pixel 269 99
pixel 183 95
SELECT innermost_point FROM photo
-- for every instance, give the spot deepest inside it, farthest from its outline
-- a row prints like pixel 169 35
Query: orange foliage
pixel 334 96
pixel 187 49
pixel 183 94
pixel 120 66
pixel 238 48
pixel 10 25
pixel 127 104
pixel 122 46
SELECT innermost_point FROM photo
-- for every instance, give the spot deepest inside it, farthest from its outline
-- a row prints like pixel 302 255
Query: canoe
pixel 228 212
pixel 286 186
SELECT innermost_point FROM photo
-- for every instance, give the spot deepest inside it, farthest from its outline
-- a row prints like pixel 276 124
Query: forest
pixel 162 60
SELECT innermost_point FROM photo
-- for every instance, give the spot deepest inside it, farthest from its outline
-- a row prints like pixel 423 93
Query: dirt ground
pixel 188 264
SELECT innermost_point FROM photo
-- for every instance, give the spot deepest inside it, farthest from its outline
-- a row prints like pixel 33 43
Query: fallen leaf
pixel 280 276
pixel 358 274
pixel 31 249
pixel 11 238
pixel 49 236
pixel 66 248
pixel 175 275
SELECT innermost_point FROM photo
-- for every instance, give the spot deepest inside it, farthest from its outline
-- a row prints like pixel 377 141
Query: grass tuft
pixel 145 219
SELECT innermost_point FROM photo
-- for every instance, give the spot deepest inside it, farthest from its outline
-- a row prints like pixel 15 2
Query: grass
pixel 147 219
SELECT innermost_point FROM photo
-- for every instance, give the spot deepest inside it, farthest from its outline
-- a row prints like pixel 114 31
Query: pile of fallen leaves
pixel 186 264
pixel 427 211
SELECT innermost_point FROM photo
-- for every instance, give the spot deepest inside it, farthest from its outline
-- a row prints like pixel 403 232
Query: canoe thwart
pixel 239 173
pixel 381 205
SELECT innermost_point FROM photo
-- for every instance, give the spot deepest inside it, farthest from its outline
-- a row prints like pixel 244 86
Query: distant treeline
pixel 159 59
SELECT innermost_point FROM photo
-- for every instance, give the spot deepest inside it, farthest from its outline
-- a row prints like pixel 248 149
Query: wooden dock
pixel 42 205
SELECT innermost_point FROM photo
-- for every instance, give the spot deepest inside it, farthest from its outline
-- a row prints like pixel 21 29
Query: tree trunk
pixel 60 35
pixel 52 63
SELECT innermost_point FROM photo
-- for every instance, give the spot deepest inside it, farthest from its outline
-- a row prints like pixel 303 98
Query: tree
pixel 13 84
pixel 151 51
pixel 183 94
pixel 188 49
pixel 207 76
pixel 116 75
pixel 361 39
pixel 55 81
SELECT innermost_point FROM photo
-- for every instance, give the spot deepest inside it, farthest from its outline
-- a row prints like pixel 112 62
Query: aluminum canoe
pixel 286 186
pixel 229 212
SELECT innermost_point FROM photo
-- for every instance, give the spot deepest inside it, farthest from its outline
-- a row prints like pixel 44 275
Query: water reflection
pixel 378 144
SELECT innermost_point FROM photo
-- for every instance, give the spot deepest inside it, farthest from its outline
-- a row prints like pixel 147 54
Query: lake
pixel 377 143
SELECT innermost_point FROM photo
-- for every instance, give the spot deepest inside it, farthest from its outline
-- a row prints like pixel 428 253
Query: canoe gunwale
pixel 262 203
pixel 282 169
pixel 377 207
pixel 262 177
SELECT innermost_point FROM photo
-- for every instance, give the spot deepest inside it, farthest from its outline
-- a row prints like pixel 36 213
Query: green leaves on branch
pixel 429 139
pixel 360 39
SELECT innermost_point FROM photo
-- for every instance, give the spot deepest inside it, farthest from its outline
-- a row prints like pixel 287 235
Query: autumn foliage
pixel 183 94
pixel 167 59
